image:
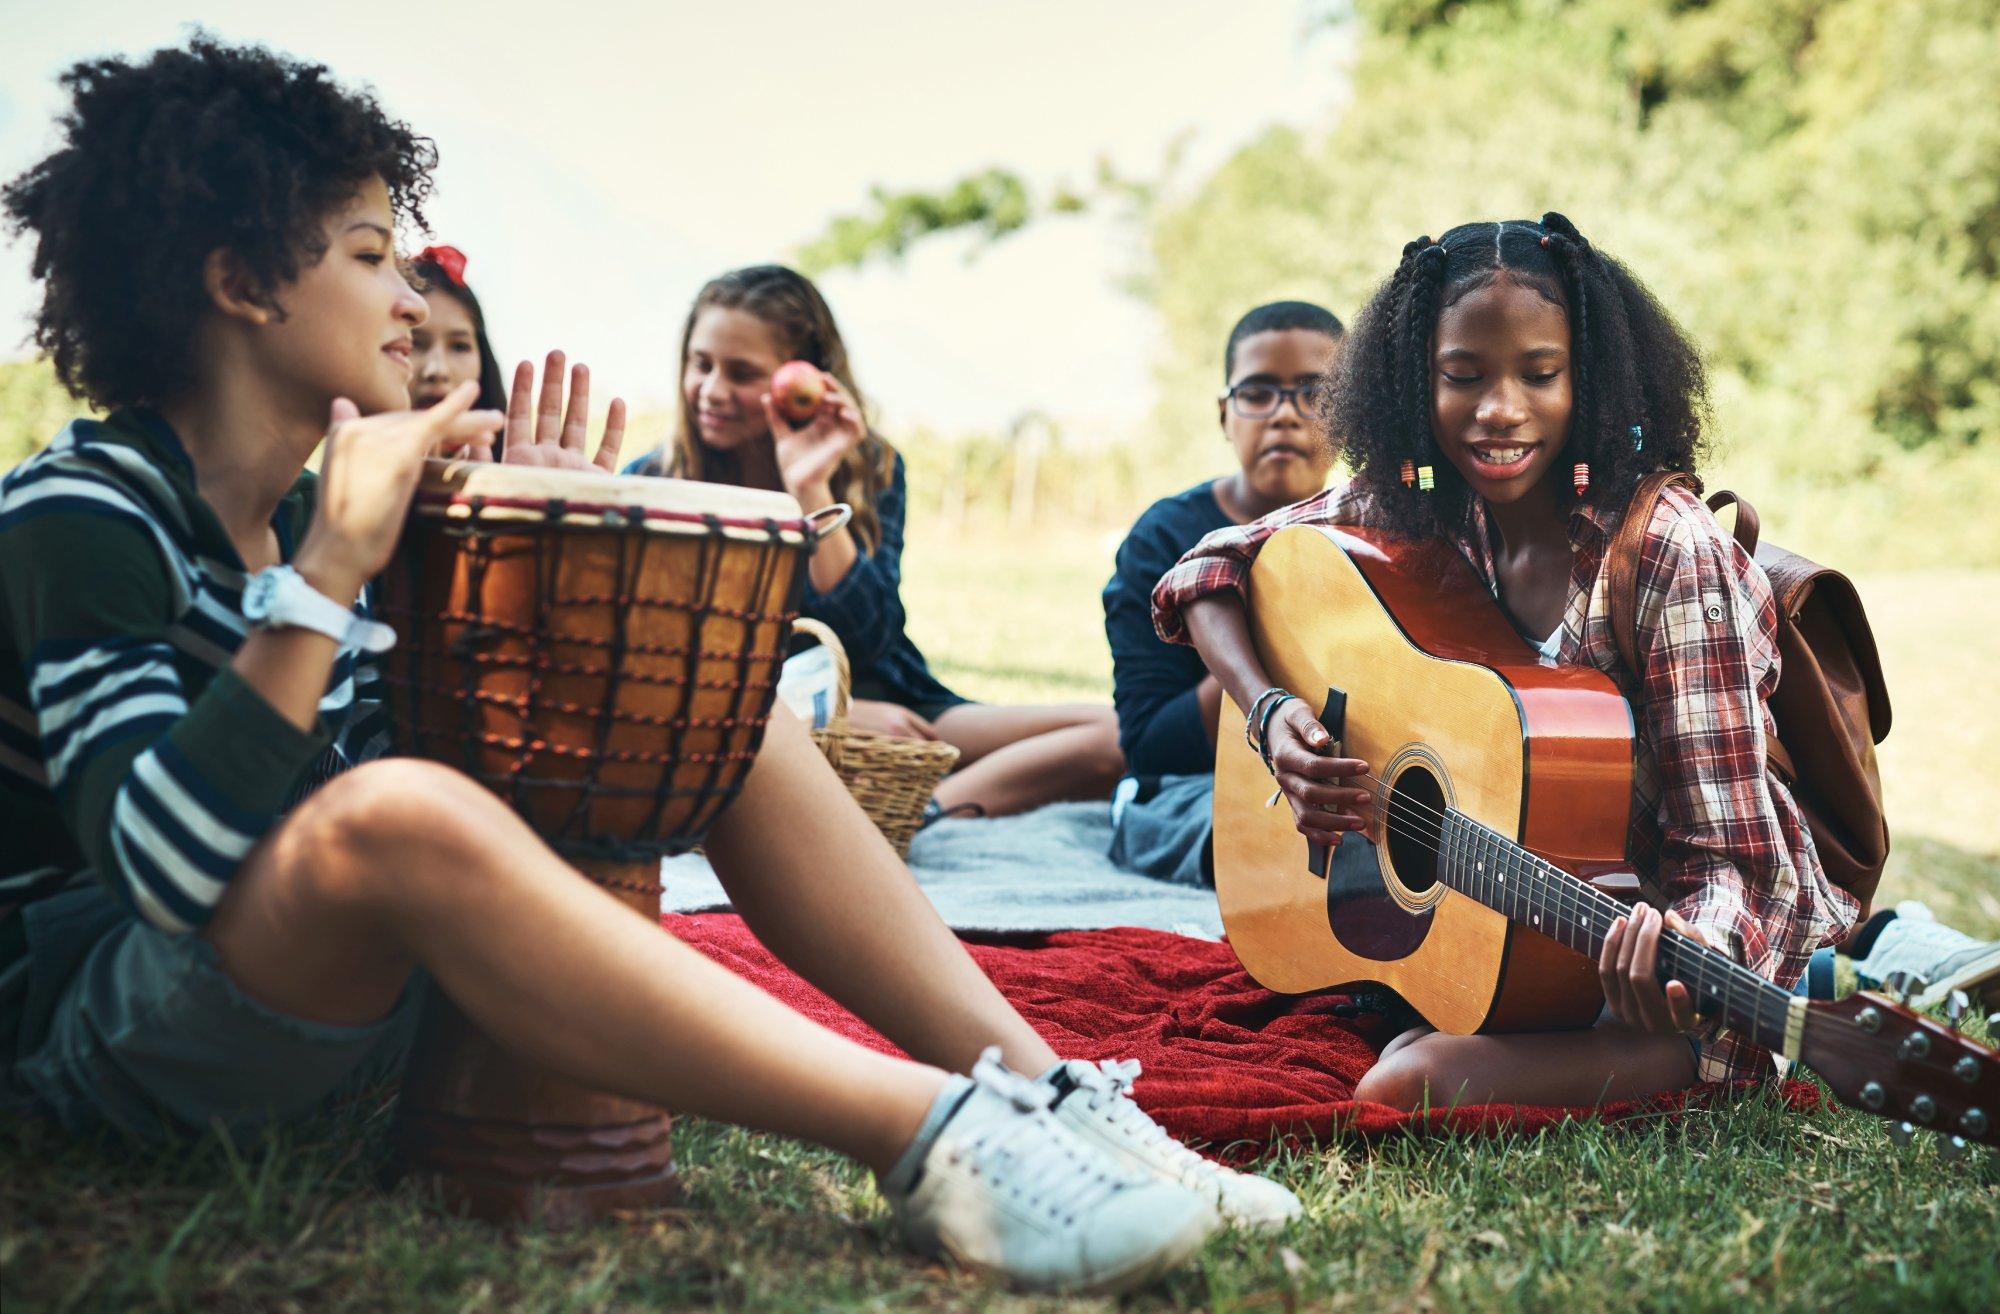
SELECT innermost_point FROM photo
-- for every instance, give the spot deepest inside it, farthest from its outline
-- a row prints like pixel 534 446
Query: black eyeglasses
pixel 1255 399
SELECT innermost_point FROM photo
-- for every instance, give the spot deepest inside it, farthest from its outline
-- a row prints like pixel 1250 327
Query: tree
pixel 33 409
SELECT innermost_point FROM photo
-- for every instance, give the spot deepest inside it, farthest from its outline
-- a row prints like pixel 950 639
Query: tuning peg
pixel 1899 985
pixel 1956 1005
pixel 1993 1024
pixel 1902 1133
pixel 1951 1147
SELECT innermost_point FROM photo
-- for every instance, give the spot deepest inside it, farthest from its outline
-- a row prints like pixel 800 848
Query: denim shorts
pixel 127 1028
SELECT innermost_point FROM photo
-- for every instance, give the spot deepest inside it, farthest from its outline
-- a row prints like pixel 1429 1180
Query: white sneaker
pixel 1092 1102
pixel 1941 958
pixel 1003 1188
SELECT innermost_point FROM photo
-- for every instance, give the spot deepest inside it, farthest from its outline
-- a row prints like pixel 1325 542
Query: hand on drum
pixel 544 433
pixel 1324 805
pixel 808 456
pixel 889 719
pixel 367 478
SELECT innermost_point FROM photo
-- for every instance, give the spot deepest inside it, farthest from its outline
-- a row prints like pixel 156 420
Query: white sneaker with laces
pixel 1092 1101
pixel 1002 1187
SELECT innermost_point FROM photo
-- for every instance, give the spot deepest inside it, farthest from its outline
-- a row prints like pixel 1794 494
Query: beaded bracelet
pixel 1264 726
pixel 1251 722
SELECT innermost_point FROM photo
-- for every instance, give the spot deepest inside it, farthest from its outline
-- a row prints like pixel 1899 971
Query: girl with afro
pixel 220 904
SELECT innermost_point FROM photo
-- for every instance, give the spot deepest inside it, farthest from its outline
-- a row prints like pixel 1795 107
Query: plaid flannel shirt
pixel 1715 836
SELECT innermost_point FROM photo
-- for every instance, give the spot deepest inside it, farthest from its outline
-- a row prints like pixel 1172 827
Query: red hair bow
pixel 450 262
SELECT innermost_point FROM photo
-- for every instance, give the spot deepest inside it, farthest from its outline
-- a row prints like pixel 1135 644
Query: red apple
pixel 797 389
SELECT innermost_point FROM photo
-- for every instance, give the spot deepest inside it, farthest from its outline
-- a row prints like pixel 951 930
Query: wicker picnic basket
pixel 890 777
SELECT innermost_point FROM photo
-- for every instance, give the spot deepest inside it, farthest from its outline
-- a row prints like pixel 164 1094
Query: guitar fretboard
pixel 1484 865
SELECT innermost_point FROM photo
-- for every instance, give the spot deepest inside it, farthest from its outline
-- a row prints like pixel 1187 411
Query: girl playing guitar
pixel 1506 389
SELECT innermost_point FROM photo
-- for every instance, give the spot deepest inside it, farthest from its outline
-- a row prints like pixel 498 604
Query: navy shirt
pixel 1153 682
pixel 866 610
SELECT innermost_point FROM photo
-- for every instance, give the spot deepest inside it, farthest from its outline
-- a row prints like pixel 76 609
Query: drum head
pixel 458 490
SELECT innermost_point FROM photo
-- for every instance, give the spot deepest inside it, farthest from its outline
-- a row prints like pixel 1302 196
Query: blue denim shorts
pixel 128 1028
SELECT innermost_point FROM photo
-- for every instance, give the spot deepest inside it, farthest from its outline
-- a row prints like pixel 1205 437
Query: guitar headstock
pixel 1887 1059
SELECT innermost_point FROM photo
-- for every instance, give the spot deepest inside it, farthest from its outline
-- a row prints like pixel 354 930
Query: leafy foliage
pixel 1811 186
pixel 33 409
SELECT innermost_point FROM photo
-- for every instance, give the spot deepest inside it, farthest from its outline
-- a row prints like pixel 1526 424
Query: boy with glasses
pixel 1167 702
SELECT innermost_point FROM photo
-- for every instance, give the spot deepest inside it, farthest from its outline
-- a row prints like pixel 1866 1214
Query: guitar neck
pixel 1488 867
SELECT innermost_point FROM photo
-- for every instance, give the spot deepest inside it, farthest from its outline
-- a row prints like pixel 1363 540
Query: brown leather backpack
pixel 1831 706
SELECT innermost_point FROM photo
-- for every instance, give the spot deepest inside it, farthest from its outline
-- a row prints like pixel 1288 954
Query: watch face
pixel 257 596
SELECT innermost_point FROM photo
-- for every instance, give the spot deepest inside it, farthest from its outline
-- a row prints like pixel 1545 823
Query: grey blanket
pixel 1046 870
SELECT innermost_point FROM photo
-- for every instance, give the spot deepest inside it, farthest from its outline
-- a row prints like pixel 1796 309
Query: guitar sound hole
pixel 1416 814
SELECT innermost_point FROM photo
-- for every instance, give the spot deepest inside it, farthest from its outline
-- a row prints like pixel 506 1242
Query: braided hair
pixel 1640 398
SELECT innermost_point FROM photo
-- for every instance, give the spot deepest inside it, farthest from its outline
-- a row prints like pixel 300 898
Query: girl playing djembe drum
pixel 743 326
pixel 195 936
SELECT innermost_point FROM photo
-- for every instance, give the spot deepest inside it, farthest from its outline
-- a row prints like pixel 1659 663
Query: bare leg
pixel 1607 1062
pixel 817 883
pixel 1012 759
pixel 401 863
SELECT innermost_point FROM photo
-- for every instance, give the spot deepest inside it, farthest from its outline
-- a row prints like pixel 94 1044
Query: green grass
pixel 1744 1205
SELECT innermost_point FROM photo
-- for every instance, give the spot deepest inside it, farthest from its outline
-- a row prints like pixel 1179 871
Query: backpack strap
pixel 1621 559
pixel 1748 526
pixel 1623 584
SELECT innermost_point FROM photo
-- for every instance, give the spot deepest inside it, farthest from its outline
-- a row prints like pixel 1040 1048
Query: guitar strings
pixel 1572 892
pixel 1381 791
pixel 1769 995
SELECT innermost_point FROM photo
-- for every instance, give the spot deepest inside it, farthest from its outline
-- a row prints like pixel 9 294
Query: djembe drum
pixel 602 652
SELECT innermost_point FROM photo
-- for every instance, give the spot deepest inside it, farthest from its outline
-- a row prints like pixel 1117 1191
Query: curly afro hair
pixel 211 147
pixel 1640 396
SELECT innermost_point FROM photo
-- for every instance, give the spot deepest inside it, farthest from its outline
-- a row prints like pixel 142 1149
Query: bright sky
pixel 598 165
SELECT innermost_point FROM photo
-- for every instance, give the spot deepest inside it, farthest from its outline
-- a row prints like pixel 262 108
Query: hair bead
pixel 1426 478
pixel 1579 477
pixel 1409 473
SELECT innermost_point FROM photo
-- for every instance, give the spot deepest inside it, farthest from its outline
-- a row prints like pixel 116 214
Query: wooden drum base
pixel 507 1140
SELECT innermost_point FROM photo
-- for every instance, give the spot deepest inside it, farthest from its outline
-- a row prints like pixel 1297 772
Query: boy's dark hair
pixel 1631 367
pixel 1273 317
pixel 431 276
pixel 162 162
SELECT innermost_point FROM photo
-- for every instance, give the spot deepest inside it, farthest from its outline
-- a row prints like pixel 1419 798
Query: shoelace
pixel 1126 1115
pixel 1035 1151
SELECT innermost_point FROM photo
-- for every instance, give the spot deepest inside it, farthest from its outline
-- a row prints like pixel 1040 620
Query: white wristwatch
pixel 279 598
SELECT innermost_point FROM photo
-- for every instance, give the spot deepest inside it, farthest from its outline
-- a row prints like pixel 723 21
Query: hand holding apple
pixel 810 452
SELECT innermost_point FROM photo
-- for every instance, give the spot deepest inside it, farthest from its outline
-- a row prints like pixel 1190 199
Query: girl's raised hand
pixel 366 480
pixel 808 456
pixel 1324 805
pixel 546 433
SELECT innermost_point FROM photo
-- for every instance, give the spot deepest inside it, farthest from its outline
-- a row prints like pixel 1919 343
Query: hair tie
pixel 449 260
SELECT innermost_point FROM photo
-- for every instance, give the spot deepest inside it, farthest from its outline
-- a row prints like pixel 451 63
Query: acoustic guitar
pixel 1503 788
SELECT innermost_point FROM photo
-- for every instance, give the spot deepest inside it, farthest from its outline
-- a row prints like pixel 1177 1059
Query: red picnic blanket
pixel 1225 1061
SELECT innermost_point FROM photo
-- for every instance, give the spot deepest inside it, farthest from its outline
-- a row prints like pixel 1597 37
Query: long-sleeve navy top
pixel 866 610
pixel 1153 682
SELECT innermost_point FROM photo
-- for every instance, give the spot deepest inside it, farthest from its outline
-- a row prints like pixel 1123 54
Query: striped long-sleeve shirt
pixel 129 752
pixel 1715 835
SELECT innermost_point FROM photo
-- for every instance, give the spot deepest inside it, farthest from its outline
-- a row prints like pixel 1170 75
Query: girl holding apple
pixel 744 327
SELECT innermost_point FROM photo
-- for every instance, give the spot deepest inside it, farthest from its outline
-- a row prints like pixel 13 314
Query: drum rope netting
pixel 452 646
